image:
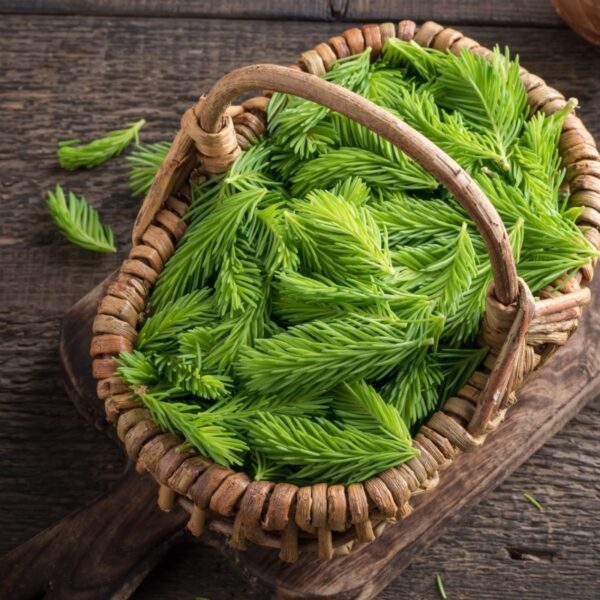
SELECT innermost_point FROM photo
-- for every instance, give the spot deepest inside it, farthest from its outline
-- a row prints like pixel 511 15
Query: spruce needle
pixel 440 587
pixel 533 502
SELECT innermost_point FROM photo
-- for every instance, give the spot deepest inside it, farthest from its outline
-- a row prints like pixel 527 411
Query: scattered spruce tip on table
pixel 74 155
pixel 80 222
pixel 327 293
pixel 533 502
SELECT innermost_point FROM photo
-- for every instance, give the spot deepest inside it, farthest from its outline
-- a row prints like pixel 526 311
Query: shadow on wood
pixel 101 551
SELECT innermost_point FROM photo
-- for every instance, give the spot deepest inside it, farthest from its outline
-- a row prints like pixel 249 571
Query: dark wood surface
pixel 538 13
pixel 61 75
pixel 123 544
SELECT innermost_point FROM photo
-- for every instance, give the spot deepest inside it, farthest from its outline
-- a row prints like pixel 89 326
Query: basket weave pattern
pixel 521 336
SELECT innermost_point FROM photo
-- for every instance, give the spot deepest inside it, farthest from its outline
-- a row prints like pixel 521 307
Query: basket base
pixel 552 396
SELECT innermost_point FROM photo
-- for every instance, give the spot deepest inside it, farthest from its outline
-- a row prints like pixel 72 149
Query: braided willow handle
pixel 206 129
pixel 211 110
pixel 206 119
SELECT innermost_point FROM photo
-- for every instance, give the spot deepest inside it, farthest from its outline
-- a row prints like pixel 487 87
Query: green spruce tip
pixel 73 155
pixel 144 161
pixel 440 587
pixel 322 450
pixel 79 222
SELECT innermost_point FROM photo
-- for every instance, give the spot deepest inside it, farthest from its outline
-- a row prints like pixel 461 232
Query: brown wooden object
pixel 520 331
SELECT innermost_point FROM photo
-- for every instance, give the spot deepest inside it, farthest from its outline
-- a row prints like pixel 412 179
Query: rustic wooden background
pixel 77 67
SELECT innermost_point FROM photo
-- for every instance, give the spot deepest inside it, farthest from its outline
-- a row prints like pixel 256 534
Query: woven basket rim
pixel 282 515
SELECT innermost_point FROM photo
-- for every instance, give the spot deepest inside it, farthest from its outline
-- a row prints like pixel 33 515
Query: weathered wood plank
pixel 479 12
pixel 87 75
pixel 87 556
pixel 538 13
pixel 551 397
pixel 318 10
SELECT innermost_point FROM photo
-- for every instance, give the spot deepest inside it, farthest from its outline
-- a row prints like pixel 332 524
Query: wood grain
pixel 103 550
pixel 561 388
pixel 87 75
pixel 478 12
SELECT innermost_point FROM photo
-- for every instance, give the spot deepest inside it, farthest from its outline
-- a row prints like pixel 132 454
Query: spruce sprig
pixel 144 161
pixel 412 221
pixel 222 211
pixel 74 155
pixel 296 290
pixel 488 94
pixel 426 63
pixel 312 358
pixel 376 170
pixel 440 271
pixel 413 391
pixel 79 222
pixel 359 404
pixel 222 445
pixel 239 283
pixel 338 239
pixel 206 244
pixel 159 332
pixel 322 450
pixel 417 106
pixel 185 374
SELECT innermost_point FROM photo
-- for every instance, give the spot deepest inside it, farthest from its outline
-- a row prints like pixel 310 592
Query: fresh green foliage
pixel 74 155
pixel 440 587
pixel 533 502
pixel 337 238
pixel 198 428
pixel 377 171
pixel 414 389
pixel 456 365
pixel 314 357
pixel 359 404
pixel 79 222
pixel 136 369
pixel 223 213
pixel 160 330
pixel 144 162
pixel 440 271
pixel 425 63
pixel 324 450
pixel 326 296
pixel 303 127
pixel 489 95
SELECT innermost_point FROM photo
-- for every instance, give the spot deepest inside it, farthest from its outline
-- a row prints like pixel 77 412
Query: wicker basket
pixel 522 332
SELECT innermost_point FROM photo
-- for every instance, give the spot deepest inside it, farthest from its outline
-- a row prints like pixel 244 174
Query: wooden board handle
pixel 103 550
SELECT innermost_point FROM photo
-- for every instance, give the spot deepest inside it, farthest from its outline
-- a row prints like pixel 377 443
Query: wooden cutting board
pixel 105 549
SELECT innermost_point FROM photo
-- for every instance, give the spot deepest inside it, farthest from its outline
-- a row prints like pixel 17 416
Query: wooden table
pixel 75 67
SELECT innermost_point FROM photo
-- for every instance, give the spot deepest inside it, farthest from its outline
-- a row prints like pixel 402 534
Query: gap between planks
pixel 535 13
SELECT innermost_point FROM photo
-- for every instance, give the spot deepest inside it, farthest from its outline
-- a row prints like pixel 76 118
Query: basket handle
pixel 206 123
pixel 211 110
pixel 205 126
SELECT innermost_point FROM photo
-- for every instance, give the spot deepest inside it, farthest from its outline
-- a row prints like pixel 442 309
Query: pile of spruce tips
pixel 327 294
